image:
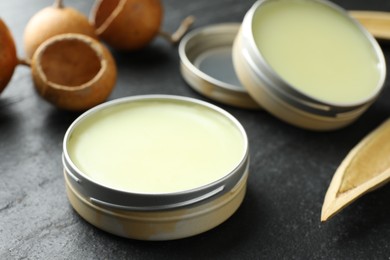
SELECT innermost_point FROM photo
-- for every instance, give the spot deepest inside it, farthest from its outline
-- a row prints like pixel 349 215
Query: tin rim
pixel 103 195
pixel 290 93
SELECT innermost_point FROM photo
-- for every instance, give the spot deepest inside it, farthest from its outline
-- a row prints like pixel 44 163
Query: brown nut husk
pixel 52 21
pixel 73 71
pixel 366 167
pixel 127 24
pixel 8 58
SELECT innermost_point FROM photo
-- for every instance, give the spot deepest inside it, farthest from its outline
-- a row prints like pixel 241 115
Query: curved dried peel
pixel 366 167
pixel 377 23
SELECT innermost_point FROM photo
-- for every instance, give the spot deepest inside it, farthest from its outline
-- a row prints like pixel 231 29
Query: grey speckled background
pixel 290 169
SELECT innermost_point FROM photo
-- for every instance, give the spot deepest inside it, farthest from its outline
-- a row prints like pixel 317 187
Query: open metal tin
pixel 152 215
pixel 283 99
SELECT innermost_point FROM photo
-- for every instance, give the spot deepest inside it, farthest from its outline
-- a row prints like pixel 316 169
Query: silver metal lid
pixel 207 66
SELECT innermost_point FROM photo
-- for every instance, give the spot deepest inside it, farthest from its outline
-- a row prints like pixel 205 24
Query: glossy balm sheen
pixel 316 49
pixel 156 146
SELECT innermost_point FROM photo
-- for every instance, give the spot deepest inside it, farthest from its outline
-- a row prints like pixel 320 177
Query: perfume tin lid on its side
pixel 207 66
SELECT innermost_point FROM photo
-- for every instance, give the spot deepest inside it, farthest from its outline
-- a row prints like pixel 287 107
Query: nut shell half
pixel 52 21
pixel 73 71
pixel 127 24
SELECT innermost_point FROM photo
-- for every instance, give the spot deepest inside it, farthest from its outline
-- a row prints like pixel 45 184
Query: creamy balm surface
pixel 156 146
pixel 317 50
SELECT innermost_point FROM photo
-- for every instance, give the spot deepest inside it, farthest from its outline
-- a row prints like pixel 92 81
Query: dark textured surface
pixel 290 168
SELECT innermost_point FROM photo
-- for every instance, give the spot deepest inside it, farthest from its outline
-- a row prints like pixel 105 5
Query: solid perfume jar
pixel 155 167
pixel 308 62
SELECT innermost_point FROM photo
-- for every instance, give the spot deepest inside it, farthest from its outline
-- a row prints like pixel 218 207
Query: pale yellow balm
pixel 156 146
pixel 317 50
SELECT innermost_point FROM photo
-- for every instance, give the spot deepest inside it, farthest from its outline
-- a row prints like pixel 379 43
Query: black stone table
pixel 290 168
